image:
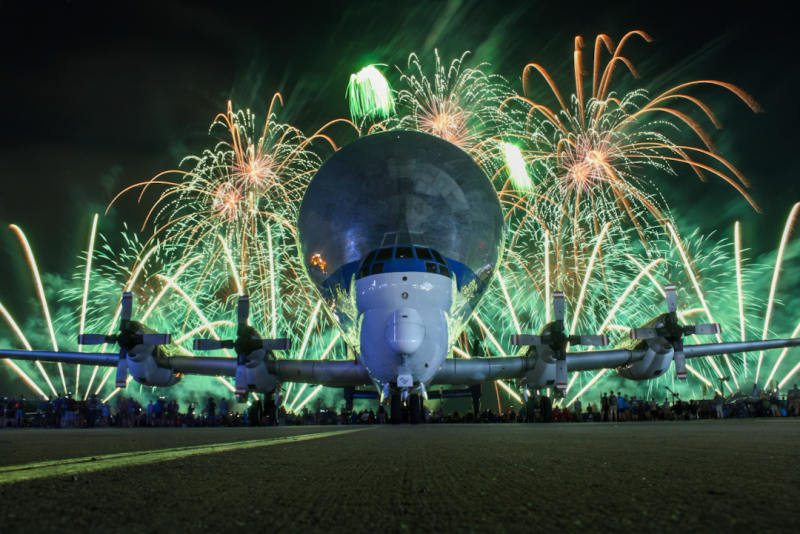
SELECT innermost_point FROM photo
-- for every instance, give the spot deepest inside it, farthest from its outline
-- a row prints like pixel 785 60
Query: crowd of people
pixel 127 412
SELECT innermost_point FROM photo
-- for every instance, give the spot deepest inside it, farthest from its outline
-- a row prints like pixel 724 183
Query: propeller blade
pixel 276 344
pixel 672 298
pixel 384 392
pixel 558 305
pixel 526 393
pixel 594 341
pixel 705 329
pixel 643 333
pixel 243 310
pixel 122 368
pixel 522 340
pixel 241 379
pixel 423 391
pixel 95 339
pixel 207 344
pixel 127 308
pixel 561 375
pixel 680 359
pixel 157 339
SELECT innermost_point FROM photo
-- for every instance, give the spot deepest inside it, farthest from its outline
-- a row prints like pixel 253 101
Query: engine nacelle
pixel 144 369
pixel 655 363
pixel 259 379
pixel 543 375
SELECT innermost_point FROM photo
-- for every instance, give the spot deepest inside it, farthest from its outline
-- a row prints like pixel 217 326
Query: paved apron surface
pixel 704 476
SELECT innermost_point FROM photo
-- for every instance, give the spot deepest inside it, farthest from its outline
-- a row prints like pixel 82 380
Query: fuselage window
pixel 377 268
pixel 384 254
pixel 437 256
pixel 444 271
pixel 430 267
pixel 370 257
pixel 423 253
pixel 404 253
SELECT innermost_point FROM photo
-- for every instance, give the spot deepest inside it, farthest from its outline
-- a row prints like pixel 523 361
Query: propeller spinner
pixel 247 341
pixel 556 337
pixel 127 338
pixel 674 332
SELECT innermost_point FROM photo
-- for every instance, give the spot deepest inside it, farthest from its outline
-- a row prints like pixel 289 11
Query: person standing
pixel 223 411
pixel 19 421
pixel 604 408
pixel 665 411
pixel 653 409
pixel 612 407
pixel 718 400
pixel 211 412
pixel 794 400
pixel 578 411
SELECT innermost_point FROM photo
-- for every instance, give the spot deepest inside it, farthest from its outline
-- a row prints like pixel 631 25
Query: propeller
pixel 126 339
pixel 674 332
pixel 556 337
pixel 247 341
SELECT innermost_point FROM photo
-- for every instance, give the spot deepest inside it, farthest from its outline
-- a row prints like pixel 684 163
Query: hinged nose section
pixel 405 332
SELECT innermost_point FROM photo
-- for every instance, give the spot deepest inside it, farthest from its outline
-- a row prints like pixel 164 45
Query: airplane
pixel 401 233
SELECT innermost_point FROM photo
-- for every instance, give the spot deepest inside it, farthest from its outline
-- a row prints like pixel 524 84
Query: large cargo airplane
pixel 411 233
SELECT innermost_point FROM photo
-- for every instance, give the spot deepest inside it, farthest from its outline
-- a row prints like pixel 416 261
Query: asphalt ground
pixel 699 476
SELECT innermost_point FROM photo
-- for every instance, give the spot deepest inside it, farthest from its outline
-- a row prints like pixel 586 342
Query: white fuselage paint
pixel 378 296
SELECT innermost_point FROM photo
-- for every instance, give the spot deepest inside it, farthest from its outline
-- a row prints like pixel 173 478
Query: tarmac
pixel 698 476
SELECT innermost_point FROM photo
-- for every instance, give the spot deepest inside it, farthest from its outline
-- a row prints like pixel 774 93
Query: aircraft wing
pixel 322 372
pixel 477 370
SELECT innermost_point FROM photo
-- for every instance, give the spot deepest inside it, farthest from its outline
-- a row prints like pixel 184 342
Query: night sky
pixel 97 98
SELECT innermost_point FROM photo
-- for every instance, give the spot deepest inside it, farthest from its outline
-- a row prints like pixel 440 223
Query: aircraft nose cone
pixel 405 332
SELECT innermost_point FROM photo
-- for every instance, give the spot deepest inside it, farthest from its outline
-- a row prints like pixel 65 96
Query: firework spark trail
pixel 233 265
pixel 131 281
pixel 21 336
pixel 194 307
pixel 775 275
pixel 588 276
pixel 690 271
pixel 737 244
pixel 272 290
pixel 508 300
pixel 547 276
pixel 644 271
pixel 85 297
pixel 40 290
pixel 305 339
pixel 502 354
pixel 324 355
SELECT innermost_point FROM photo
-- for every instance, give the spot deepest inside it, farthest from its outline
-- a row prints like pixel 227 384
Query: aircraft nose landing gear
pixel 412 402
pixel 396 409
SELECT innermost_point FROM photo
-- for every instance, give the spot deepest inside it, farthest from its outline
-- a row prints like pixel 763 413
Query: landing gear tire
pixel 416 412
pixel 396 409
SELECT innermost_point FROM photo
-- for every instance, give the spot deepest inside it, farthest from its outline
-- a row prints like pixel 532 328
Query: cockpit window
pixel 377 268
pixel 430 267
pixel 363 272
pixel 423 253
pixel 437 256
pixel 444 271
pixel 384 254
pixel 370 257
pixel 404 253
